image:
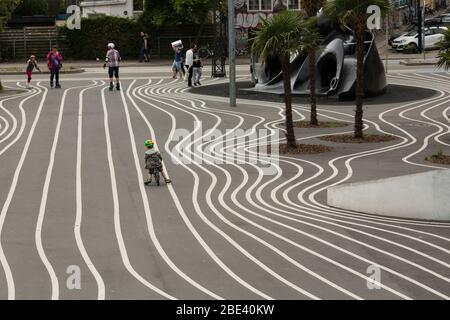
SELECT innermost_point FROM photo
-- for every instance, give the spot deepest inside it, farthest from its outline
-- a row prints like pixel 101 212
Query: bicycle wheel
pixel 157 177
pixel 203 53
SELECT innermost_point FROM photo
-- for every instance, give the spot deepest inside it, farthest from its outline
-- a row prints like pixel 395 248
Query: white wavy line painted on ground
pixel 144 197
pixel 45 190
pixel 12 189
pixel 211 205
pixel 79 201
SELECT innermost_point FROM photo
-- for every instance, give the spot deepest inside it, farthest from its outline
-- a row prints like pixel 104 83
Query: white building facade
pixel 117 8
pixel 249 13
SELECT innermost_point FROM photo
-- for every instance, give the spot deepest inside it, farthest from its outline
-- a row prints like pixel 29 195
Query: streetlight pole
pixel 387 41
pixel 423 28
pixel 420 30
pixel 231 52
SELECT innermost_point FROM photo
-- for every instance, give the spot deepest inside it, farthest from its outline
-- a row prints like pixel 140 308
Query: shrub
pixel 90 42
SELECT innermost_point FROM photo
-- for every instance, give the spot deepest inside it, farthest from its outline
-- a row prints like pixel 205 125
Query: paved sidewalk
pixel 124 63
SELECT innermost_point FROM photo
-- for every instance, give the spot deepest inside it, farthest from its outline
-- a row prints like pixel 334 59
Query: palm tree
pixel 311 8
pixel 444 52
pixel 310 42
pixel 353 13
pixel 280 37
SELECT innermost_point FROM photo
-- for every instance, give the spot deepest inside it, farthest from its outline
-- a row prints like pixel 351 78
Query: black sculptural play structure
pixel 335 66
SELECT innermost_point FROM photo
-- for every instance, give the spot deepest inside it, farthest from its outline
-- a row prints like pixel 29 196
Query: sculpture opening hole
pixel 327 68
pixel 333 83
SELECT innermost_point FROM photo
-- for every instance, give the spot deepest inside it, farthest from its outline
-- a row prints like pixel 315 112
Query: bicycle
pixel 156 173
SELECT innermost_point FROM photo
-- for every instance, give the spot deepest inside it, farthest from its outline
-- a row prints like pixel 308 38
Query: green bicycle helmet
pixel 149 143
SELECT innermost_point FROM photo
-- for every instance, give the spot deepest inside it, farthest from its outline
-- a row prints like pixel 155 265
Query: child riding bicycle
pixel 153 162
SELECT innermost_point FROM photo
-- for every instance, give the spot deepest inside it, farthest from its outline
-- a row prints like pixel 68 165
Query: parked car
pixel 441 20
pixel 433 35
pixel 395 34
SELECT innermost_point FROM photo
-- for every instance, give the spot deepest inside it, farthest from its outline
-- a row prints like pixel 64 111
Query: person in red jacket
pixel 54 62
pixel 31 65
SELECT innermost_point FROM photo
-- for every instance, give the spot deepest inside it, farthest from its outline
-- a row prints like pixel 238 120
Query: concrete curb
pixel 419 62
pixel 11 73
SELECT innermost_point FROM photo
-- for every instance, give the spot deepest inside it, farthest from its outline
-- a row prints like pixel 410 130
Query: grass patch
pixel 302 149
pixel 306 124
pixel 439 158
pixel 367 138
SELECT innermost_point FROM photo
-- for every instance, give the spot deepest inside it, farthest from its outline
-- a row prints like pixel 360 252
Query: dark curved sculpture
pixel 335 67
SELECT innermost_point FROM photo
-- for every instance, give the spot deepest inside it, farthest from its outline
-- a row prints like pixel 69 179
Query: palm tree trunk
pixel 359 91
pixel 312 87
pixel 290 135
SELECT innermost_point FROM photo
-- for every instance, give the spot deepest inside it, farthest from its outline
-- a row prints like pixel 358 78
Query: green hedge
pixel 90 42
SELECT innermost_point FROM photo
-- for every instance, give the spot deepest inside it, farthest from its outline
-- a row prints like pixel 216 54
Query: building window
pixel 266 5
pixel 138 5
pixel 253 5
pixel 294 4
pixel 260 5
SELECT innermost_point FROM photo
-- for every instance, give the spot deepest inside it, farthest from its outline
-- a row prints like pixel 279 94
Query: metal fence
pixel 13 49
pixel 21 43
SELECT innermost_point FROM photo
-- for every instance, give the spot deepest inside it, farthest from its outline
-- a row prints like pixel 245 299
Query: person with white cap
pixel 113 59
pixel 31 65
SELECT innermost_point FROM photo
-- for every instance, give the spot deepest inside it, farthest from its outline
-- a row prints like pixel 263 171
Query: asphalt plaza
pixel 72 194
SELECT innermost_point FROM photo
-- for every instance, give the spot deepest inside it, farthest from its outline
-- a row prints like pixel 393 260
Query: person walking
pixel 112 60
pixel 147 48
pixel 189 63
pixel 143 47
pixel 176 66
pixel 197 72
pixel 54 63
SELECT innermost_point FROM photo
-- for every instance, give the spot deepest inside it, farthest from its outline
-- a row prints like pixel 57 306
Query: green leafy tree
pixel 353 13
pixel 6 8
pixel 90 41
pixel 32 7
pixel 311 7
pixel 157 13
pixel 194 11
pixel 281 37
pixel 444 52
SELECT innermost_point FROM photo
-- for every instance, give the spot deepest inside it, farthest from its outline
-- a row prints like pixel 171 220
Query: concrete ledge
pixel 424 196
pixel 419 62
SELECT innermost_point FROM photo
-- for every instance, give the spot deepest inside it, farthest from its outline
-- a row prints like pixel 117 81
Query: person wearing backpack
pixel 153 161
pixel 54 62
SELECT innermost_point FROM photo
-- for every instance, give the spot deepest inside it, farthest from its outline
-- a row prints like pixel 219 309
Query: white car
pixel 410 40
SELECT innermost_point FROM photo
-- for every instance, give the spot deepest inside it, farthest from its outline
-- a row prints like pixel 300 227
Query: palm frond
pixel 278 35
pixel 443 60
pixel 444 52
